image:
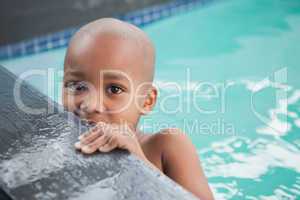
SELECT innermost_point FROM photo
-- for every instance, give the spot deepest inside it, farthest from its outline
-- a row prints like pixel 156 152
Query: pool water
pixel 227 75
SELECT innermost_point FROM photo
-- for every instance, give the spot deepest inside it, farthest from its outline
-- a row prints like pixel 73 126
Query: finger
pixel 99 125
pixel 91 136
pixel 93 146
pixel 110 145
pixel 85 134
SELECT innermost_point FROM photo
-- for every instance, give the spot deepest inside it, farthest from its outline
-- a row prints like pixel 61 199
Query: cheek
pixel 130 116
pixel 125 110
pixel 119 104
pixel 139 102
pixel 70 102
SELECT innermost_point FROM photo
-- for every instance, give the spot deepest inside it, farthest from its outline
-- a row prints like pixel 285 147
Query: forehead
pixel 105 73
pixel 90 57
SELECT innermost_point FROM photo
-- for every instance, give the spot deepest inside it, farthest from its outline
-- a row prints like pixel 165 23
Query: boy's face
pixel 104 80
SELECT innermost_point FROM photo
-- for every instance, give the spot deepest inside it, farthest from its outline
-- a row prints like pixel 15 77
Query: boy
pixel 108 74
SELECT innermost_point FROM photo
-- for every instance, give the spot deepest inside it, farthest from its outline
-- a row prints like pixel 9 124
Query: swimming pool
pixel 232 68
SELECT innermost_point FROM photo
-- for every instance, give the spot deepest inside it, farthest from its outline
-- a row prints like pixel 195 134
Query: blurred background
pixel 22 20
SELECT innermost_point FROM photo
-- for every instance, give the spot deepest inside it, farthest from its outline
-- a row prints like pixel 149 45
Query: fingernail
pixel 77 145
pixel 86 148
pixel 102 148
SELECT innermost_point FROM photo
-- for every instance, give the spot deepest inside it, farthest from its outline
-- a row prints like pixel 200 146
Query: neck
pixel 140 135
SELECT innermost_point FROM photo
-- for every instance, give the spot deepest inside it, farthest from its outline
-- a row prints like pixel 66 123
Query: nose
pixel 92 103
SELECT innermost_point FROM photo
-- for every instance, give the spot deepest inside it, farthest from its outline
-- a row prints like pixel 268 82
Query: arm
pixel 181 163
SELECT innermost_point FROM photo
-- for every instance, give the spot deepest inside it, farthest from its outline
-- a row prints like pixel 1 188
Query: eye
pixel 76 87
pixel 114 89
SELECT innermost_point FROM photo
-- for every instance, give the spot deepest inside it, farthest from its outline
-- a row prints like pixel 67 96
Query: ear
pixel 150 100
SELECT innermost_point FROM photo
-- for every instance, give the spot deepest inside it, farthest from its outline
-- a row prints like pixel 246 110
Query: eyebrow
pixel 115 76
pixel 74 74
pixel 106 75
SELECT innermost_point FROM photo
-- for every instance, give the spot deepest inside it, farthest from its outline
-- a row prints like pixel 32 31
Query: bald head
pixel 116 41
pixel 109 66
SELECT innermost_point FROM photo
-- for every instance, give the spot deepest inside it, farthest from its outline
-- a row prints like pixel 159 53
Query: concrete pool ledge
pixel 38 159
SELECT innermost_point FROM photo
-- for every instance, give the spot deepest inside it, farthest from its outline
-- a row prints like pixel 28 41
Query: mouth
pixel 91 123
pixel 88 122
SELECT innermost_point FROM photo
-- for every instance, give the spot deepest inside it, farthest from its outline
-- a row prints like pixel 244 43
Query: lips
pixel 92 123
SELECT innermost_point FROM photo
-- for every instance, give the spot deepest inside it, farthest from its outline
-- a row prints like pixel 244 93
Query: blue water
pixel 232 68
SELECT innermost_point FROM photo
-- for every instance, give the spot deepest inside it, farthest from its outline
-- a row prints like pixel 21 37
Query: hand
pixel 106 137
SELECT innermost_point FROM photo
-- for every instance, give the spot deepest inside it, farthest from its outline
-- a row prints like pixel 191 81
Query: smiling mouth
pixel 88 122
pixel 92 123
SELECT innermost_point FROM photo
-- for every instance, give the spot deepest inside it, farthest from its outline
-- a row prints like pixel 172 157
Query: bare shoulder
pixel 165 142
pixel 171 136
pixel 159 146
pixel 181 162
pixel 171 141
